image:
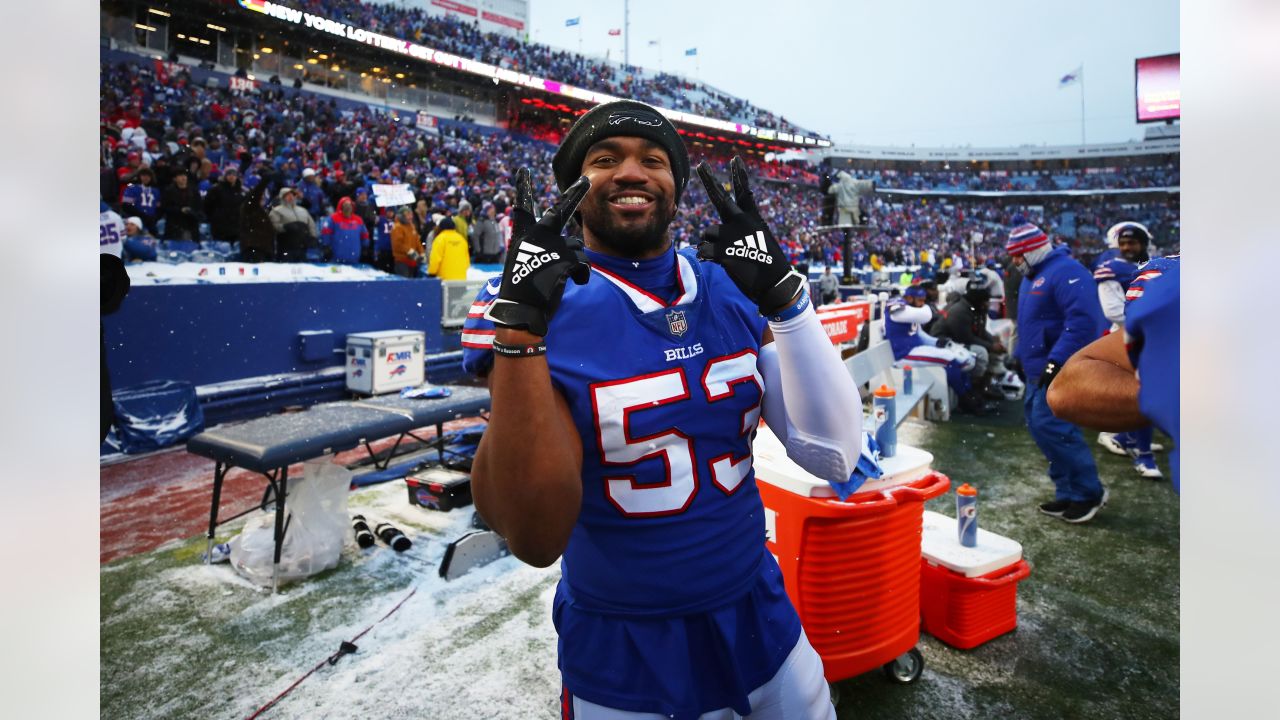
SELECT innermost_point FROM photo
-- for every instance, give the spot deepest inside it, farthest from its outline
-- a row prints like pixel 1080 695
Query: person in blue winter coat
pixel 312 194
pixel 1058 313
pixel 346 236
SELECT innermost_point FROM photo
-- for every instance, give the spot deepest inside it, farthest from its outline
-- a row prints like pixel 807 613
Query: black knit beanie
pixel 627 118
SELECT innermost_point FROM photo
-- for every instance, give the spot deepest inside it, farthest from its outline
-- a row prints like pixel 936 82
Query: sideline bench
pixel 269 445
pixel 875 366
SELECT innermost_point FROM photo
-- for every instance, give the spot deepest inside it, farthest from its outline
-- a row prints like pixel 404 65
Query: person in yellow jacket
pixel 875 262
pixel 450 256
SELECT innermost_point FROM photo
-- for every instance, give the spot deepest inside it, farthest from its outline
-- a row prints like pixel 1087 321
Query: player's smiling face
pixel 632 197
pixel 1132 249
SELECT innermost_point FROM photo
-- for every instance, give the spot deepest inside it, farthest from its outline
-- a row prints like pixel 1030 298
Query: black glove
pixel 743 245
pixel 1049 373
pixel 539 259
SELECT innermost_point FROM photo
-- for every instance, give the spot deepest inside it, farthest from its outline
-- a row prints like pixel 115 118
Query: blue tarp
pixel 156 414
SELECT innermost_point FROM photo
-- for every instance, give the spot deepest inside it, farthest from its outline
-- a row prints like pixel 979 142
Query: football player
pixel 624 408
pixel 1114 276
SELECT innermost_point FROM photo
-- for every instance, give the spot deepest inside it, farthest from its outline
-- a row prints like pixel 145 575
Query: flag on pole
pixel 615 32
pixel 572 21
pixel 691 51
pixel 1071 78
pixel 653 43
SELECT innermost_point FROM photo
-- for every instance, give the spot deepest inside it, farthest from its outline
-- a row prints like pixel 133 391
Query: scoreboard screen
pixel 1157 88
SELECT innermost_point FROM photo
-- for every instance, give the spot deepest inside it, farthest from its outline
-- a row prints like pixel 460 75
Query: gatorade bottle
pixel 906 379
pixel 884 412
pixel 967 514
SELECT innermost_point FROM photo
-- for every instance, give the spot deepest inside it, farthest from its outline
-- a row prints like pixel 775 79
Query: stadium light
pixel 140 26
pixel 312 61
pixel 161 13
pixel 266 50
pixel 256 56
pixel 334 67
pixel 211 26
pixel 322 56
pixel 400 75
pixel 297 66
pixel 203 41
pixel 181 36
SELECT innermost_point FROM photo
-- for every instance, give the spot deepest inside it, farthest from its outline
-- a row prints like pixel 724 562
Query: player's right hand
pixel 539 259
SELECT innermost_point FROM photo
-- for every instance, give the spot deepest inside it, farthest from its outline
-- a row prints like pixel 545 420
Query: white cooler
pixel 385 361
pixel 774 467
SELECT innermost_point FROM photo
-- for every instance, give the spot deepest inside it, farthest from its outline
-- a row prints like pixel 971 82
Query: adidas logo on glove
pixel 751 247
pixel 528 260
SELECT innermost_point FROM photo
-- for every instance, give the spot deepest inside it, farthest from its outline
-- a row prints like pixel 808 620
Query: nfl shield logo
pixel 676 323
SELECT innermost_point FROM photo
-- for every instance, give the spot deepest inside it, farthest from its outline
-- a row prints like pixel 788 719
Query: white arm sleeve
pixel 810 401
pixel 1111 295
pixel 906 313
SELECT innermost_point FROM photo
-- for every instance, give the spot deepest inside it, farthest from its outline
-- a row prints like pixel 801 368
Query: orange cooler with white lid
pixel 851 568
pixel 968 595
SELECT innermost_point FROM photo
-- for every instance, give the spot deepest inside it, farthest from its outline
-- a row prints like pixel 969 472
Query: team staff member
pixel 965 322
pixel 1128 379
pixel 1058 313
pixel 623 415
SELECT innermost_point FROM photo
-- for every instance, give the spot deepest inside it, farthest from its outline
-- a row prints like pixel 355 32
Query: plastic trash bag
pixel 317 528
pixel 156 414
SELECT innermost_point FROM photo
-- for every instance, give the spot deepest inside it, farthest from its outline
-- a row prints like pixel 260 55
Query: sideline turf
pixel 1097 635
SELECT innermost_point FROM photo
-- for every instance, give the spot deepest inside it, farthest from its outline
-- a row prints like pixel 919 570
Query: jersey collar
pixel 645 301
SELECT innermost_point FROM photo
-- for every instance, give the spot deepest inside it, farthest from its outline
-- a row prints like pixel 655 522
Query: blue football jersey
pixel 1117 269
pixel 668 601
pixel 902 335
pixel 382 235
pixel 144 197
pixel 1152 338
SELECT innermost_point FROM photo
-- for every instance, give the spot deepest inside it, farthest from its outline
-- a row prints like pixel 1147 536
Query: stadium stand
pixel 171 115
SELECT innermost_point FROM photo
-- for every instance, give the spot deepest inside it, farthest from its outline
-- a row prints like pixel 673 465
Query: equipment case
pixel 384 361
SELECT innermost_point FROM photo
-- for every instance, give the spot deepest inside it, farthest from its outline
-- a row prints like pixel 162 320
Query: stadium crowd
pixel 465 39
pixel 1104 178
pixel 181 157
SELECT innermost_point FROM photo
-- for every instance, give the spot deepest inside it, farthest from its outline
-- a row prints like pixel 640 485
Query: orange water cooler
pixel 851 568
pixel 968 595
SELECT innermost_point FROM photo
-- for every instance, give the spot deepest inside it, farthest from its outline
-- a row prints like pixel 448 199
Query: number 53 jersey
pixel 666 397
pixel 662 382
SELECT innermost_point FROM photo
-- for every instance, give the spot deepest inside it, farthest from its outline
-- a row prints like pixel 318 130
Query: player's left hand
pixel 743 245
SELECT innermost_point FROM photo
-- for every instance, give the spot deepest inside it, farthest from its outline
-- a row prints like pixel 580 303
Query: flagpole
pixel 1082 135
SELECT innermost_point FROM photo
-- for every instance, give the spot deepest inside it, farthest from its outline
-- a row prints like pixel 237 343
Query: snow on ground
pixel 201 641
pixel 1097 619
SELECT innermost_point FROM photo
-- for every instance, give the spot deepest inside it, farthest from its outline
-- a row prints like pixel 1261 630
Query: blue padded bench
pixel 269 445
pixel 875 366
